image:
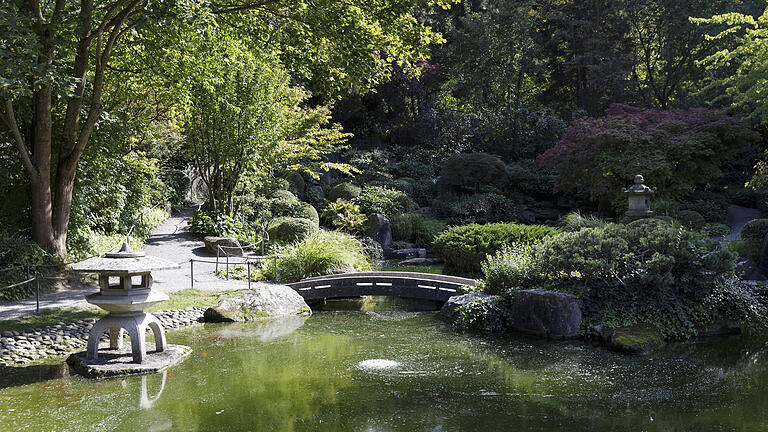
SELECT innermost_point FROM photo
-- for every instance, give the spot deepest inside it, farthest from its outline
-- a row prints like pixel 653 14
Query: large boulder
pixel 380 230
pixel 229 246
pixel 268 301
pixel 545 313
pixel 450 310
pixel 406 253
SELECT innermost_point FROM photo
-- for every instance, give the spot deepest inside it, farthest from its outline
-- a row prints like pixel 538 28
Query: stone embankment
pixel 19 348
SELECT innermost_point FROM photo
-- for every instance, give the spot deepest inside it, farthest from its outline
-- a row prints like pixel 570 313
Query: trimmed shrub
pixel 716 230
pixel 645 271
pixel 478 208
pixel 345 216
pixel 319 253
pixel 345 191
pixel 377 199
pixel 287 229
pixel 308 211
pixel 208 223
pixel 465 247
pixel 690 219
pixel 755 229
pixel 749 248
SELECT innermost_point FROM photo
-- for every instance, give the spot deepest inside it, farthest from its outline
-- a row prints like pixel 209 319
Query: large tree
pixel 56 57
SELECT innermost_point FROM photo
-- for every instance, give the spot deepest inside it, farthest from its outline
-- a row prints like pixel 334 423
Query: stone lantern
pixel 125 301
pixel 639 199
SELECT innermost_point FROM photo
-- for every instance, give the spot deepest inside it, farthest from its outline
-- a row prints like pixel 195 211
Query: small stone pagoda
pixel 126 303
pixel 639 199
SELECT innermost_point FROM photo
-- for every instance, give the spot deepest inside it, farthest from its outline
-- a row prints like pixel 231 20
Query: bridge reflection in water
pixel 425 286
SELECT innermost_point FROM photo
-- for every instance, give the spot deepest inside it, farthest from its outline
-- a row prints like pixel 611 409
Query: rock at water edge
pixel 545 313
pixel 267 301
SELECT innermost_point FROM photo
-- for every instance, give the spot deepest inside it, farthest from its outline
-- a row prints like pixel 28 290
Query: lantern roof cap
pixel 124 261
pixel 639 188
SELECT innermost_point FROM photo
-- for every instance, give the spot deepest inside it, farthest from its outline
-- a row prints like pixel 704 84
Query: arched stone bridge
pixel 424 286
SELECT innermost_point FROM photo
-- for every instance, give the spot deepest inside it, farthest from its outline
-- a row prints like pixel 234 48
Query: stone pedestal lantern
pixel 125 301
pixel 639 199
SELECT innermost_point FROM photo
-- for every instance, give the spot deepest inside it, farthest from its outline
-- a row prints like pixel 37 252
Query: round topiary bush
pixel 346 191
pixel 308 211
pixel 288 230
pixel 283 195
pixel 755 229
pixel 389 202
pixel 691 219
pixel 465 247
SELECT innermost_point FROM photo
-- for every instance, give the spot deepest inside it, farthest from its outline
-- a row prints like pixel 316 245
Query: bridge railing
pixel 398 284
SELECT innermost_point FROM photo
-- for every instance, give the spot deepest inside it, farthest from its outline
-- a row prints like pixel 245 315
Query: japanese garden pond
pixel 399 371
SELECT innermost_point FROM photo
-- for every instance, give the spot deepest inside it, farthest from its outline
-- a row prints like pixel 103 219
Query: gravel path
pixel 738 217
pixel 171 240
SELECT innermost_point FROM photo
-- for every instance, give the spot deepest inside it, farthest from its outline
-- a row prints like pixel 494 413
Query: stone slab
pixel 113 363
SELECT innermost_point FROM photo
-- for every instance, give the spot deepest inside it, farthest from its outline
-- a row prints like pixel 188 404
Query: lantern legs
pixel 136 325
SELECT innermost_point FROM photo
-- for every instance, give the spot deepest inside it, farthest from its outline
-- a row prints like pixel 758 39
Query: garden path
pixel 171 240
pixel 738 217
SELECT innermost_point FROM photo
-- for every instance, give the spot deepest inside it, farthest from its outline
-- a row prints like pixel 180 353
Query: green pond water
pixel 306 374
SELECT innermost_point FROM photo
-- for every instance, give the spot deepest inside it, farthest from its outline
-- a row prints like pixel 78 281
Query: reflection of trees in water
pixel 261 389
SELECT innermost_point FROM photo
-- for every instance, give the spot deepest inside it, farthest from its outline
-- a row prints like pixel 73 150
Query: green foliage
pixel 477 208
pixel 713 206
pixel 177 184
pixel 288 229
pixel 402 230
pixel 308 211
pixel 465 247
pixel 485 314
pixel 372 248
pixel 469 172
pixel 749 248
pixel 372 164
pixel 416 229
pixel 344 215
pixel 17 251
pixel 508 269
pixel 690 219
pixel 529 178
pixel 82 244
pixel 755 229
pixel 296 183
pixel 715 230
pixel 320 253
pixel 575 221
pixel 739 63
pixel 205 223
pixel 377 199
pixel 676 151
pixel 345 191
pixel 645 271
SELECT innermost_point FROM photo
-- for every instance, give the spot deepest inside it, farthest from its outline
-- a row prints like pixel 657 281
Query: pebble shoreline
pixel 20 348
